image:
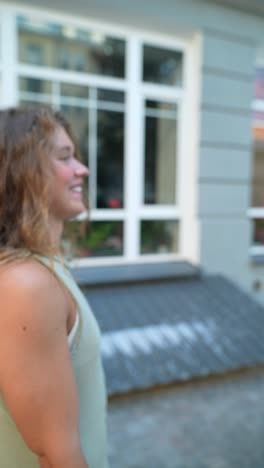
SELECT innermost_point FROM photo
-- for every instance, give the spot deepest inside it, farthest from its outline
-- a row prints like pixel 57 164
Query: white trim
pixel 78 78
pixel 160 92
pixel 256 250
pixel 255 213
pixel 35 97
pixel 8 55
pixel 258 105
pixel 133 132
pixel 188 163
pixel 159 212
pixel 72 101
pixel 144 258
pixel 107 215
pixel 92 145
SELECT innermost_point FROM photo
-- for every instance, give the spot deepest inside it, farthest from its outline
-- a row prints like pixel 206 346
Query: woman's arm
pixel 36 374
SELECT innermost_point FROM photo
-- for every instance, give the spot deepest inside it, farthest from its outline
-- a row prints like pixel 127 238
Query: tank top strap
pixel 60 268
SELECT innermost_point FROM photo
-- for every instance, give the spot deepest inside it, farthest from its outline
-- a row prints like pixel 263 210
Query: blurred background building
pixel 167 100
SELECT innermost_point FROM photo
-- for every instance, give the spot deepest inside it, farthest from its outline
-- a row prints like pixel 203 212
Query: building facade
pixel 167 101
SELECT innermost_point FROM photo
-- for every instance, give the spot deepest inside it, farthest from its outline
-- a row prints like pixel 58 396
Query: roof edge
pixel 104 275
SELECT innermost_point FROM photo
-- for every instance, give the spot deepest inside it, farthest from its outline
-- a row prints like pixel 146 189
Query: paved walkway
pixel 212 423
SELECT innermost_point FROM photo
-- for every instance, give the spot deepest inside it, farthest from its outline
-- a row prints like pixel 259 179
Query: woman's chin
pixel 78 214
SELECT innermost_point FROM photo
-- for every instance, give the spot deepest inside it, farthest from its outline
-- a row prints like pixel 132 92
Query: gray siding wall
pixel 225 154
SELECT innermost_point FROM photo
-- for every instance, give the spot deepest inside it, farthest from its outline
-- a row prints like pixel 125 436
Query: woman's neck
pixel 56 228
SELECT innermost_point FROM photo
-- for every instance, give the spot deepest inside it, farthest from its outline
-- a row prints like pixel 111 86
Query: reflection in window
pixel 70 48
pixel 160 153
pixel 110 159
pixel 34 85
pixel 162 66
pixel 258 136
pixel 74 91
pixel 110 95
pixel 95 239
pixel 78 119
pixel 258 232
pixel 258 174
pixel 159 236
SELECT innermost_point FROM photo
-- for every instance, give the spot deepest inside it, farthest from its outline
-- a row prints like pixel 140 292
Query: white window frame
pixel 186 99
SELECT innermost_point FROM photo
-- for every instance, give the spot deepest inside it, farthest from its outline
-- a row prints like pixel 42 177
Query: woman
pixel 52 400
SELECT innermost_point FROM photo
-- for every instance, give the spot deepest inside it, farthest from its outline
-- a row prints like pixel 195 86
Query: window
pixel 162 66
pixel 257 202
pixel 69 48
pixel 134 204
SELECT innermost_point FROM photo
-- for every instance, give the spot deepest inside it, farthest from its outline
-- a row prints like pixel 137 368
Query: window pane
pixel 162 66
pixel 96 239
pixel 258 232
pixel 160 158
pixel 258 134
pixel 78 119
pixel 159 236
pixel 258 174
pixel 35 90
pixel 259 84
pixel 69 48
pixel 110 95
pixel 72 90
pixel 169 108
pixel 110 159
pixel 34 85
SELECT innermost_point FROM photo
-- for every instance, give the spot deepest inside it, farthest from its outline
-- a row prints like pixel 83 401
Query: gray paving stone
pixel 209 423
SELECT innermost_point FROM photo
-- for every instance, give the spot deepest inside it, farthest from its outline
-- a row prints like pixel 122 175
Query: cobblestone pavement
pixel 211 423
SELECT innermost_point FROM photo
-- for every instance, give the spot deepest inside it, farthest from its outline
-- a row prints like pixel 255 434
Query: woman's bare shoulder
pixel 25 273
pixel 29 286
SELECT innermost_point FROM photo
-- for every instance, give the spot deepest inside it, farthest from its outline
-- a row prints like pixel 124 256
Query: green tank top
pixel 87 366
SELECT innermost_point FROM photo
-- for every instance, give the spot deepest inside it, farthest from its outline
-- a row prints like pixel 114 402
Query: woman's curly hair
pixel 25 143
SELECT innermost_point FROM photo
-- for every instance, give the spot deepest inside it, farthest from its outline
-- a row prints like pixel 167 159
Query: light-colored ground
pixel 212 423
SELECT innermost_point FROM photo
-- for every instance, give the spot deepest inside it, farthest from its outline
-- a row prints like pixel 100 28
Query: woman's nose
pixel 82 170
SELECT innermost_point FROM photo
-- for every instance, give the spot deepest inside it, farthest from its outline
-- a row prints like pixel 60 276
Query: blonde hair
pixel 25 142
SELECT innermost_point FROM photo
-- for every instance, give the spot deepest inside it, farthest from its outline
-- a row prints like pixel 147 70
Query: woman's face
pixel 67 178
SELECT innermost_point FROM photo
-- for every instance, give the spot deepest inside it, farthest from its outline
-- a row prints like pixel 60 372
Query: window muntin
pixel 67 47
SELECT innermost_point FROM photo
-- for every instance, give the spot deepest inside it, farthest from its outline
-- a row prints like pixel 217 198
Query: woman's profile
pixel 52 392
